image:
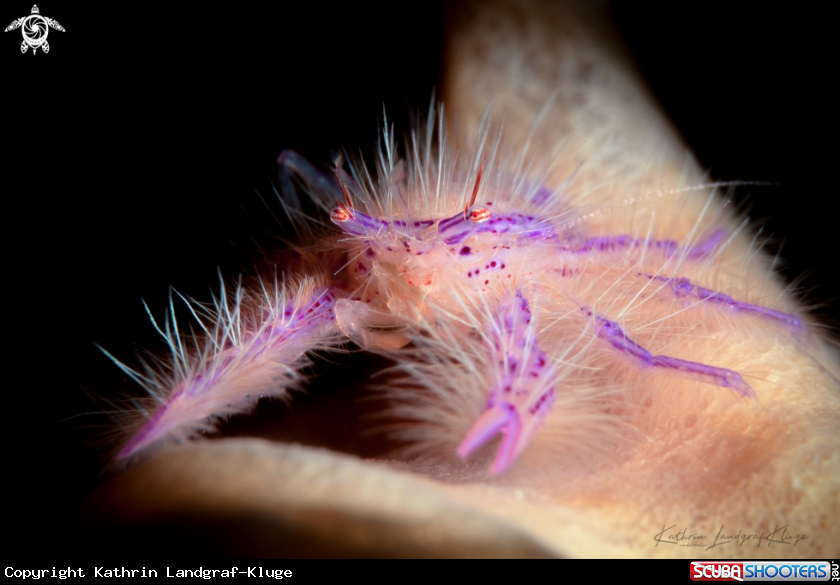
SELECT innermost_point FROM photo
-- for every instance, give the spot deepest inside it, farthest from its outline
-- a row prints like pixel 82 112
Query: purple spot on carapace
pixel 465 251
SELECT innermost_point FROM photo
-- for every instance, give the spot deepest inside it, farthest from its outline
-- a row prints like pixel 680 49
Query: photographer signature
pixel 682 537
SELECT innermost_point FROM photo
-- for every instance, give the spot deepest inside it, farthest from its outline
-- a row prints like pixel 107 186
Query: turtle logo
pixel 35 29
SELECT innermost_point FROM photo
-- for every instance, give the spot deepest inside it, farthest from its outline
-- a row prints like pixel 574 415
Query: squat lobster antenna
pixel 339 162
pixel 676 190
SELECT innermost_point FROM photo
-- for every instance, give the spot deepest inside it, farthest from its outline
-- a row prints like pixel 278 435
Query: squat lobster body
pixel 487 270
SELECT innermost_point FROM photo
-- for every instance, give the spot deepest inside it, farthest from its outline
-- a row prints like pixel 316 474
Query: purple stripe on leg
pixel 722 377
pixel 683 287
pixel 620 242
pixel 670 247
pixel 612 332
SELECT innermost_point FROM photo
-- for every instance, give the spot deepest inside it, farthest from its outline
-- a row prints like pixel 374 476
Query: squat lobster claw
pixel 524 395
pixel 519 405
pixel 502 418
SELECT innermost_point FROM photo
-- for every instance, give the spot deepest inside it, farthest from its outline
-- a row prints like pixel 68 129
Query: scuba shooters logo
pixel 760 571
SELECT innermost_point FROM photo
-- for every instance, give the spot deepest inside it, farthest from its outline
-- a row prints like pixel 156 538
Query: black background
pixel 132 152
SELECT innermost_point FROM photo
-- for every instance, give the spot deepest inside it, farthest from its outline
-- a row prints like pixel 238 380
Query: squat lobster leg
pixel 524 392
pixel 669 247
pixel 684 288
pixel 612 332
pixel 256 349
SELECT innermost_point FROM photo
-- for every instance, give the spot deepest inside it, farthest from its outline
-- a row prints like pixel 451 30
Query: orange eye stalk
pixel 479 214
pixel 475 189
pixel 340 213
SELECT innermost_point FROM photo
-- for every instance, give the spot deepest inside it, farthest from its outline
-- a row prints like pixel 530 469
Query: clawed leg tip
pixel 503 419
pixel 734 381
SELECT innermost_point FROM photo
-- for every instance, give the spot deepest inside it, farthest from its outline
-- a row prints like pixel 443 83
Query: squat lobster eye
pixel 479 214
pixel 340 213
